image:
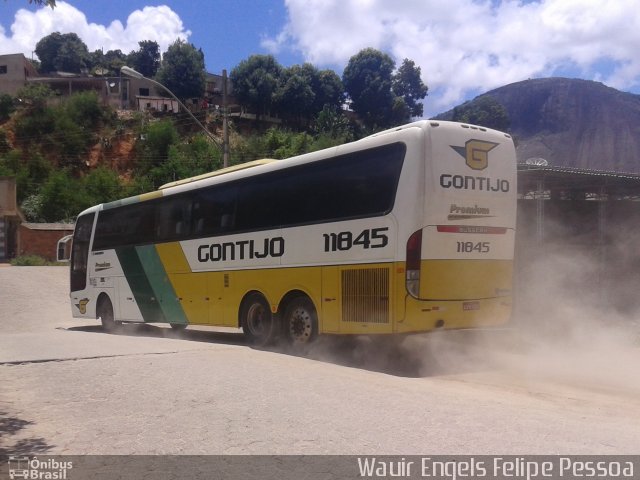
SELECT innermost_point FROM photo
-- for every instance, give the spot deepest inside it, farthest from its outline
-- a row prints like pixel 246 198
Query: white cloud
pixel 466 46
pixel 160 24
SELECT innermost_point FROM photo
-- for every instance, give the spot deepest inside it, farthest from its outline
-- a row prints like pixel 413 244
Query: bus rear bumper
pixel 427 315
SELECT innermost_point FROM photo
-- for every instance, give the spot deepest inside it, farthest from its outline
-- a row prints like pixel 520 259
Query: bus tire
pixel 105 313
pixel 178 326
pixel 300 321
pixel 257 321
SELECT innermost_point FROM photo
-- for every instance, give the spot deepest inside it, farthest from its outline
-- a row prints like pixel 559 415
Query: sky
pixel 463 47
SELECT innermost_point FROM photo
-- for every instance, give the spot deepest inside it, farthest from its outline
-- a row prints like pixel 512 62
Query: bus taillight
pixel 414 254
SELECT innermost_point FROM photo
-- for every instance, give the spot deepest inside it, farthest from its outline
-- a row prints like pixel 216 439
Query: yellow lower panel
pixel 214 298
pixel 463 279
pixel 423 316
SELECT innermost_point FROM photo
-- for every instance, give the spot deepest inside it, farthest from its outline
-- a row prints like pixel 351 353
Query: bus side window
pixel 226 222
pixel 173 219
pixel 214 211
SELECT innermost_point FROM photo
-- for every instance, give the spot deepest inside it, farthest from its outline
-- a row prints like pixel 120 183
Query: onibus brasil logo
pixel 35 469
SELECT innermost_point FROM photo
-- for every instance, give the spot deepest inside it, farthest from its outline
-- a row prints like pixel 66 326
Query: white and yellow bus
pixel 408 230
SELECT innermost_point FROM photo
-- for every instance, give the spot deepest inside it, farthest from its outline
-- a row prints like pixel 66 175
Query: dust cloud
pixel 576 324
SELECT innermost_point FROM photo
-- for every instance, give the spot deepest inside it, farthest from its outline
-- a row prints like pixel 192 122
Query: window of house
pixel 144 92
pixel 3 69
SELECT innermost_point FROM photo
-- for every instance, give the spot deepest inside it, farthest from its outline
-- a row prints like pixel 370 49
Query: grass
pixel 33 261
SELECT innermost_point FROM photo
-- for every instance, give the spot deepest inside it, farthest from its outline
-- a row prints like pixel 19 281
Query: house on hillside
pixel 122 92
pixel 15 71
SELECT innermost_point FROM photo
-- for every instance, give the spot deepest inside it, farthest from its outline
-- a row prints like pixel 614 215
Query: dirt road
pixel 68 388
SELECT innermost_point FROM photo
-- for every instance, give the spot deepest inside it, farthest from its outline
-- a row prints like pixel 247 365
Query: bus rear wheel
pixel 258 323
pixel 300 321
pixel 105 313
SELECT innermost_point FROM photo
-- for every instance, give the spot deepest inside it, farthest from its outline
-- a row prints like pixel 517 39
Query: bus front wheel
pixel 105 314
pixel 300 321
pixel 258 323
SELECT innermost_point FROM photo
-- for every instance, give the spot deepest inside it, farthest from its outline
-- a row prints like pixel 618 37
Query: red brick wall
pixel 39 242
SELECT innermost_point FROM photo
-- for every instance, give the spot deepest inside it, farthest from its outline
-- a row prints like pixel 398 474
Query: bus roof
pixel 215 173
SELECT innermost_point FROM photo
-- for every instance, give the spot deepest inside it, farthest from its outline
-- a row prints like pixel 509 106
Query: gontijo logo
pixel 476 153
pixel 82 305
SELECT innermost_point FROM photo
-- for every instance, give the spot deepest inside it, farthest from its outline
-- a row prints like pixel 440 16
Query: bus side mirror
pixel 64 249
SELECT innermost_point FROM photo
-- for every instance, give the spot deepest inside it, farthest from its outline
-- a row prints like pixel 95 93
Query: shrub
pixel 29 261
pixel 6 106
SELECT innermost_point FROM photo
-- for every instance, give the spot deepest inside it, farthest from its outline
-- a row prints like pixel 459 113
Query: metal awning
pixel 534 179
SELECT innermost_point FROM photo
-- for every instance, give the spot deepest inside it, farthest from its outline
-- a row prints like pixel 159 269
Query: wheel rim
pixel 256 321
pixel 300 325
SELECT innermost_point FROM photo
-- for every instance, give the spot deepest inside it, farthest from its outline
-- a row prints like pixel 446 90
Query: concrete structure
pixel 119 92
pixel 15 71
pixel 158 104
pixel 9 217
pixel 582 226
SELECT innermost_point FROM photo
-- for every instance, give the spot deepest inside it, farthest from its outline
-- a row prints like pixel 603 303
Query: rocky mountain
pixel 572 123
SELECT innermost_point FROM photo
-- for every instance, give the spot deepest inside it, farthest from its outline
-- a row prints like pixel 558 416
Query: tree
pixel 49 3
pixel 295 95
pixel 35 119
pixel 34 95
pixel 62 52
pixel 329 91
pixel 368 78
pixel 103 185
pixel 182 70
pixel 485 111
pixel 114 60
pixel 333 123
pixel 160 136
pixel 86 109
pixel 106 64
pixel 145 60
pixel 7 106
pixel 255 82
pixel 61 197
pixel 408 85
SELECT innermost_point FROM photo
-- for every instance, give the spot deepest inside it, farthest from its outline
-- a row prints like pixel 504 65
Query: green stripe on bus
pixel 131 200
pixel 140 286
pixel 161 285
pixel 120 203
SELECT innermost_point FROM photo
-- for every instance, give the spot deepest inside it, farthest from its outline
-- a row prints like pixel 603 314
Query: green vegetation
pixel 68 153
pixel 52 142
pixel 33 261
pixel 379 96
pixel 182 70
pixel 485 111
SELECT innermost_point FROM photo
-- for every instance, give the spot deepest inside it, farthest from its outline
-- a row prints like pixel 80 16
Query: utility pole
pixel 225 124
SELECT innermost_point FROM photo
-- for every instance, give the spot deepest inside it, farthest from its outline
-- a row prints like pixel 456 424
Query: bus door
pixel 80 252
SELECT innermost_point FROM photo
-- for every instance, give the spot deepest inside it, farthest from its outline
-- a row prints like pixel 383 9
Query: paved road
pixel 68 388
